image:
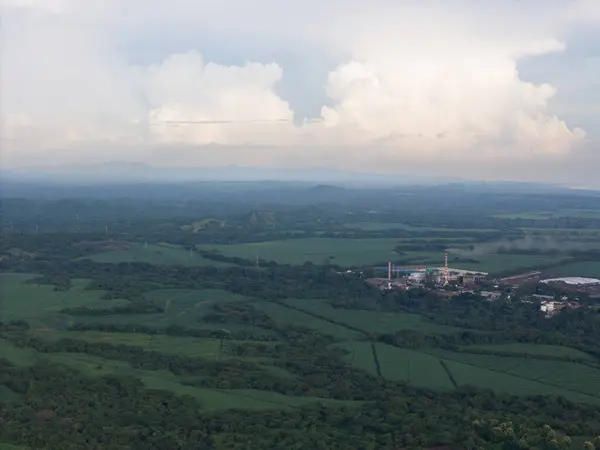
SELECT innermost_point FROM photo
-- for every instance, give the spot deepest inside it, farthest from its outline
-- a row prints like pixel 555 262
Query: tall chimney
pixel 390 271
pixel 446 276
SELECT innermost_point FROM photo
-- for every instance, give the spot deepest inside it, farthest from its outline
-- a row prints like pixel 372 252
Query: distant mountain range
pixel 131 172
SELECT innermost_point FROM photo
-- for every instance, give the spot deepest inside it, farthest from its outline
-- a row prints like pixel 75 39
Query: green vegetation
pixel 288 316
pixel 578 269
pixel 40 304
pixel 371 321
pixel 534 349
pixel 344 252
pixel 21 357
pixel 159 348
pixel 159 254
pixel 414 367
pixel 544 215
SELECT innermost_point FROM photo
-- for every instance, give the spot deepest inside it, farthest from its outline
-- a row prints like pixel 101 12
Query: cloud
pixel 414 82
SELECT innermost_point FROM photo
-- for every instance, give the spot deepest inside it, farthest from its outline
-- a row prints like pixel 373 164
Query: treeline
pixel 136 307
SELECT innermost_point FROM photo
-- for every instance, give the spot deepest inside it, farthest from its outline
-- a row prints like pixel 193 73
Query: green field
pixel 534 349
pixel 383 226
pixel 372 321
pixel 182 307
pixel 20 357
pixel 544 215
pixel 359 356
pixel 7 396
pixel 174 345
pixel 416 368
pixel 209 399
pixel 577 269
pixel 159 254
pixel 345 252
pixel 465 374
pixel 289 316
pixel 521 376
pixel 498 262
pixel 218 399
pixel 39 304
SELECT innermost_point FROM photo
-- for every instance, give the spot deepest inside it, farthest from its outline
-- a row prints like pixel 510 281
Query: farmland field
pixel 577 269
pixel 470 375
pixel 416 368
pixel 360 356
pixel 290 316
pixel 372 321
pixel 534 349
pixel 184 307
pixel 345 252
pixel 21 357
pixel 544 215
pixel 40 303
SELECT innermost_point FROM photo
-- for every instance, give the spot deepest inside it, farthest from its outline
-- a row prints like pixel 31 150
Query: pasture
pixel 524 376
pixel 371 321
pixel 414 367
pixel 206 348
pixel 359 355
pixel 577 269
pixel 20 357
pixel 470 375
pixel 344 252
pixel 157 254
pixel 534 349
pixel 183 307
pixel 219 399
pixel 544 215
pixel 384 226
pixel 288 316
pixel 40 304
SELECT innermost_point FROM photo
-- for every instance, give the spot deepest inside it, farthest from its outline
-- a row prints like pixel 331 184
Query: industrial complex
pixel 463 281
pixel 403 277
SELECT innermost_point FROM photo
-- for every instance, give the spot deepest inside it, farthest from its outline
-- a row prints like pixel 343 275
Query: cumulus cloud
pixel 409 81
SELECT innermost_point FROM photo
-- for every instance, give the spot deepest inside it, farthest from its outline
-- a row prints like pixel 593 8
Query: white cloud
pixel 419 80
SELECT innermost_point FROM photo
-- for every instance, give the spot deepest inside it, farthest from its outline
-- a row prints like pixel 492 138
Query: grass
pixel 573 376
pixel 524 376
pixel 416 368
pixel 544 215
pixel 7 396
pixel 373 321
pixel 159 254
pixel 21 357
pixel 39 304
pixel 465 374
pixel 91 365
pixel 359 356
pixel 288 316
pixel 577 269
pixel 344 252
pixel 493 362
pixel 174 345
pixel 534 349
pixel 12 447
pixel 182 307
pixel 383 226
pixel 217 399
pixel 198 302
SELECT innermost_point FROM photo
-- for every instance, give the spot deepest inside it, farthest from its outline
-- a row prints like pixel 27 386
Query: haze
pixel 482 90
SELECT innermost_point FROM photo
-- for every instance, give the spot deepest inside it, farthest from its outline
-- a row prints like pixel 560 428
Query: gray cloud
pixel 387 86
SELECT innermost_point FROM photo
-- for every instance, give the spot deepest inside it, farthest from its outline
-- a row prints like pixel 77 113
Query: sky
pixel 477 89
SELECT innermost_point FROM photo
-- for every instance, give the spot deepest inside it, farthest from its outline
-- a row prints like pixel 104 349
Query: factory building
pixel 398 276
